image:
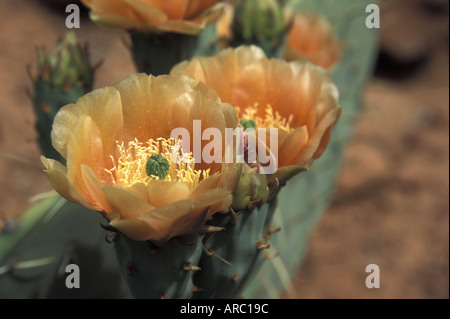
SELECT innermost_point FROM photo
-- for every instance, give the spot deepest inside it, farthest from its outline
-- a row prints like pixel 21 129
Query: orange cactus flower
pixel 312 38
pixel 119 151
pixel 298 98
pixel 180 16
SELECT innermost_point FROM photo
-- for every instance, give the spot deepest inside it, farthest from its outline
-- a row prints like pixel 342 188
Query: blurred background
pixel 391 204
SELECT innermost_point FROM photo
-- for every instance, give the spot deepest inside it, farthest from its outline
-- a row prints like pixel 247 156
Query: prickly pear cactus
pixel 153 272
pixel 156 54
pixel 232 256
pixel 49 236
pixel 305 197
pixel 64 75
pixel 260 22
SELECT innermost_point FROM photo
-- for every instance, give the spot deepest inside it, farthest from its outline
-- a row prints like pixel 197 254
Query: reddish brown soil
pixel 391 206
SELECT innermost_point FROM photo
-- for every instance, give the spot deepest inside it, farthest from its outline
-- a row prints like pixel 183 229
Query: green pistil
pixel 157 166
pixel 245 123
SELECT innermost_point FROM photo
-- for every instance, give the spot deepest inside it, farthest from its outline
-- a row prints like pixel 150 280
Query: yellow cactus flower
pixel 312 38
pixel 297 98
pixel 180 16
pixel 123 161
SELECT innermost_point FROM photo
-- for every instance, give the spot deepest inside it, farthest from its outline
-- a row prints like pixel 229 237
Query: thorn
pixel 271 256
pixel 209 252
pixel 129 268
pixel 274 188
pixel 194 288
pixel 270 230
pixel 210 229
pixel 260 245
pixel 233 217
pixel 235 277
pixel 163 295
pixel 189 267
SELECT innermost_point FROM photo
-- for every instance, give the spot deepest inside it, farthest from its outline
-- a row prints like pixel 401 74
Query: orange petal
pixel 170 220
pixel 213 201
pixel 125 203
pixel 149 14
pixel 148 99
pixel 205 185
pixel 84 147
pixel 162 192
pixel 292 147
pixel 57 175
pixel 104 108
pixel 95 188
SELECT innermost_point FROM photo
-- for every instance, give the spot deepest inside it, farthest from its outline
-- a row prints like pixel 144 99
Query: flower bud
pixel 66 65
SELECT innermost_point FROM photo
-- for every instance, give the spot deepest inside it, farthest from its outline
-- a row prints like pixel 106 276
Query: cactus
pixel 157 53
pixel 262 23
pixel 304 198
pixel 159 272
pixel 50 235
pixel 232 256
pixel 64 75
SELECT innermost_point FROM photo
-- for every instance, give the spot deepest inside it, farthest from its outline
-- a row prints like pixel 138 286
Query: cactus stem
pixel 260 245
pixel 189 267
pixel 235 277
pixel 129 268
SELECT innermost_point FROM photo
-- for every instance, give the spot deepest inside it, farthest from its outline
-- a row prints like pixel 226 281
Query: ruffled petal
pixel 57 175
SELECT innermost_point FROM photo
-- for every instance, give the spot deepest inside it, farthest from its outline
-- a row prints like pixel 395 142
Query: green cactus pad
pixel 153 272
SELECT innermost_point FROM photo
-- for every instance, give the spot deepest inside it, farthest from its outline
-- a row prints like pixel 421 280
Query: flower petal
pixel 125 203
pixel 57 175
pixel 95 189
pixel 136 229
pixel 161 193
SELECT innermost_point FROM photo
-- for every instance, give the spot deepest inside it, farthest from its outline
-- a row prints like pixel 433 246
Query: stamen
pixel 249 118
pixel 161 159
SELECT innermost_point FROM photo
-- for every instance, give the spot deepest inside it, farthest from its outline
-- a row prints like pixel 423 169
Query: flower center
pixel 273 119
pixel 161 159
